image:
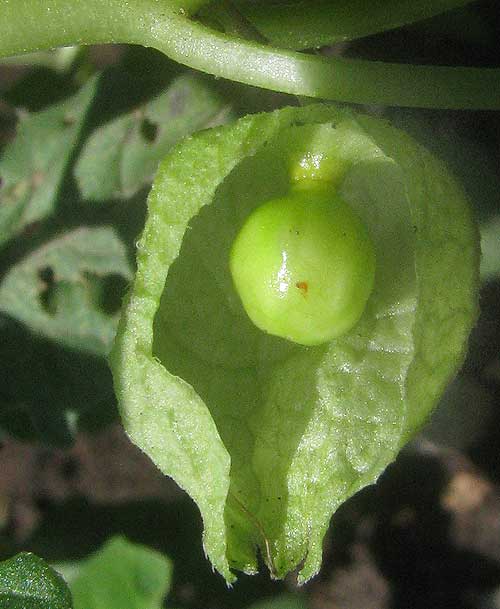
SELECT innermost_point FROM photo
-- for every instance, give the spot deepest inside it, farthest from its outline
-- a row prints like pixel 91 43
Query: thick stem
pixel 29 25
pixel 357 81
pixel 32 25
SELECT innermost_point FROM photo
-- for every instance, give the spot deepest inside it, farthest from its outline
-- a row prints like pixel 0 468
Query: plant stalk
pixel 30 25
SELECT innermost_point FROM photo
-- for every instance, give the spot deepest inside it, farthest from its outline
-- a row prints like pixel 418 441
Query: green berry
pixel 304 265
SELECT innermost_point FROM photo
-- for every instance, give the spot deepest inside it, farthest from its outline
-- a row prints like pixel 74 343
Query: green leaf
pixel 33 166
pixel 269 438
pixel 122 156
pixel 27 582
pixel 121 575
pixel 59 290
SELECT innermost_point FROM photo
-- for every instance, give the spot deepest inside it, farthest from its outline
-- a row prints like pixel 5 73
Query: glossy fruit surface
pixel 304 265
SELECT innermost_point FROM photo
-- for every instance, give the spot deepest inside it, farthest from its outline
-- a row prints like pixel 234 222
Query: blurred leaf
pixel 122 156
pixel 60 290
pixel 286 601
pixel 121 575
pixel 33 165
pixel 27 582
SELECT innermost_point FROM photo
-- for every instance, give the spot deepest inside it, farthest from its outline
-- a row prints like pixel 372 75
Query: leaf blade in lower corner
pixel 28 582
pixel 122 575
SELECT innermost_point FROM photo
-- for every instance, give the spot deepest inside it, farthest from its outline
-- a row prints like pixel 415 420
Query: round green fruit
pixel 304 265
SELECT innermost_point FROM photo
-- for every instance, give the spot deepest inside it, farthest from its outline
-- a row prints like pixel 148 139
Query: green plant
pixel 288 433
pixel 283 432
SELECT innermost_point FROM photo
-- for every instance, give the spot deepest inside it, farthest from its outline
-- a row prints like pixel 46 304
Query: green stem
pixel 348 80
pixel 29 25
